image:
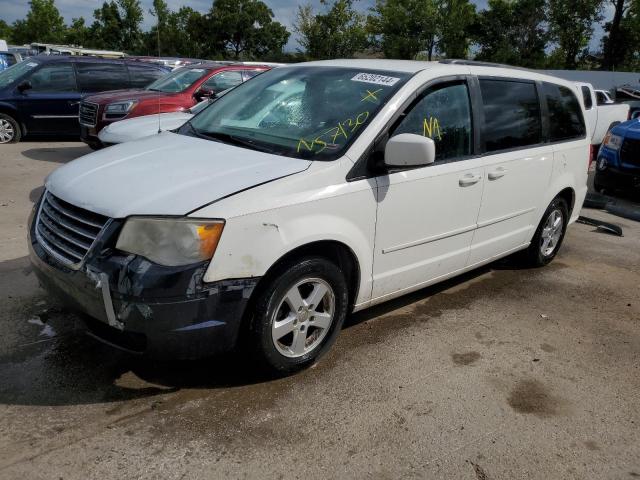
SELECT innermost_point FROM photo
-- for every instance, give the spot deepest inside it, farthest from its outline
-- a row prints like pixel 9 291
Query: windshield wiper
pixel 233 140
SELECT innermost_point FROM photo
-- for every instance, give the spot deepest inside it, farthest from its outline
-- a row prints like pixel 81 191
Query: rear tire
pixel 549 235
pixel 9 129
pixel 298 315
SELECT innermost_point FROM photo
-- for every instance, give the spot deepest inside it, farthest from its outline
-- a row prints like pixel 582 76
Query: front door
pixel 518 167
pixel 51 105
pixel 426 217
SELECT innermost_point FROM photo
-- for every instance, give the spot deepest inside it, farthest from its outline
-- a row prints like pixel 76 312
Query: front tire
pixel 9 129
pixel 299 314
pixel 549 235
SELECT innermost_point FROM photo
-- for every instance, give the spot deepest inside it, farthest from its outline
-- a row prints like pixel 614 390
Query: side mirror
pixel 24 85
pixel 409 150
pixel 203 93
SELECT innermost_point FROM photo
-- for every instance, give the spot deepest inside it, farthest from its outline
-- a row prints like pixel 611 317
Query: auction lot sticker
pixel 375 79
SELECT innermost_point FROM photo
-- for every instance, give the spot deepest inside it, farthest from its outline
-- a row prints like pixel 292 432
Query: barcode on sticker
pixel 375 78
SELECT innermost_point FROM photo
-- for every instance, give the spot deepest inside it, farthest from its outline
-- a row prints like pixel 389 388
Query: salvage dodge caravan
pixel 313 191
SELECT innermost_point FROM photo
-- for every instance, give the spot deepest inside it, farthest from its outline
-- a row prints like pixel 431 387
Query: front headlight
pixel 120 107
pixel 614 142
pixel 171 241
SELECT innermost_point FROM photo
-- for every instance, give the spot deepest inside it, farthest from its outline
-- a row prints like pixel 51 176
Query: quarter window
pixel 444 115
pixel 565 116
pixel 511 114
pixel 99 77
pixel 58 77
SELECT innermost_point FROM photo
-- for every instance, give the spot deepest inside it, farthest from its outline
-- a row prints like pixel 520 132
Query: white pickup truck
pixel 600 118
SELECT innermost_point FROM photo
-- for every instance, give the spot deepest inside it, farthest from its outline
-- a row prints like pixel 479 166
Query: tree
pixel 5 31
pixel 405 27
pixel 43 24
pixel 457 18
pixel 77 33
pixel 571 26
pixel 106 30
pixel 131 18
pixel 612 43
pixel 246 28
pixel 339 33
pixel 512 32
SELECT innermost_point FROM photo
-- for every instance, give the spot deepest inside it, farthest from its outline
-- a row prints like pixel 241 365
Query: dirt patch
pixel 532 397
pixel 466 358
pixel 547 348
pixel 479 471
pixel 591 445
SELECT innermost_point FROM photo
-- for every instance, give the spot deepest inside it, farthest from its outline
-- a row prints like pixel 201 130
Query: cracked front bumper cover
pixel 161 311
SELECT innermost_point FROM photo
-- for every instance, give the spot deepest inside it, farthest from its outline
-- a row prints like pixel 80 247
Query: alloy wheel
pixel 7 131
pixel 303 318
pixel 551 232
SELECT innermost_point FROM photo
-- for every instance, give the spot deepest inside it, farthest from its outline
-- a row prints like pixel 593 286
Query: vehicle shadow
pixel 67 367
pixel 56 154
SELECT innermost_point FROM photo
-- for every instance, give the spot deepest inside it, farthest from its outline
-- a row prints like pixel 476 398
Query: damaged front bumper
pixel 143 307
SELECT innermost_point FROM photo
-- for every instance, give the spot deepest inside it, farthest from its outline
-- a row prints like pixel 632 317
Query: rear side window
pixel 57 77
pixel 586 96
pixel 444 115
pixel 511 114
pixel 98 77
pixel 251 73
pixel 143 75
pixel 223 81
pixel 565 115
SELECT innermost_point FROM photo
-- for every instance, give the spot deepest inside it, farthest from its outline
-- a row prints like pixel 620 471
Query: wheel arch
pixel 569 196
pixel 13 112
pixel 338 252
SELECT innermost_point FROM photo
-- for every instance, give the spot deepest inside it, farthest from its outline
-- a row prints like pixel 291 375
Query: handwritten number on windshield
pixel 342 129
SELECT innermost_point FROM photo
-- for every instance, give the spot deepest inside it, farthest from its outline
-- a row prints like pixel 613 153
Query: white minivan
pixel 313 191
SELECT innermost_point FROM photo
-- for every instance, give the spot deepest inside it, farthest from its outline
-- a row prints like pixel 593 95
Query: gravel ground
pixel 503 373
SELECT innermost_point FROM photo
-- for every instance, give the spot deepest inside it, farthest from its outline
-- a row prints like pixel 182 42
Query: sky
pixel 284 11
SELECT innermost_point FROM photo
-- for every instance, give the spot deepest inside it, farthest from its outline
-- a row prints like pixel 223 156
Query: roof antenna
pixel 158 93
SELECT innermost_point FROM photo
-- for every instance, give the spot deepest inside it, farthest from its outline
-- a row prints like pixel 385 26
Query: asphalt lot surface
pixel 504 373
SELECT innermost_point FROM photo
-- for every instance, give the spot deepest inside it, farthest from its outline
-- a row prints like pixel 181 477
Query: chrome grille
pixel 67 232
pixel 88 114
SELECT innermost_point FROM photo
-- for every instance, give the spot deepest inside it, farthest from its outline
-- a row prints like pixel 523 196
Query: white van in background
pixel 310 192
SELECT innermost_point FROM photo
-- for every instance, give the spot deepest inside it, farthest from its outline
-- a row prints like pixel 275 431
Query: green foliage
pixel 5 31
pixel 182 33
pixel 571 26
pixel 456 20
pixel 422 28
pixel 339 33
pixel 246 28
pixel 77 33
pixel 405 27
pixel 512 32
pixel 131 17
pixel 43 24
pixel 106 31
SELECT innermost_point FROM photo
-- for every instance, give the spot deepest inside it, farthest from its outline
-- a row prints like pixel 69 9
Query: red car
pixel 174 92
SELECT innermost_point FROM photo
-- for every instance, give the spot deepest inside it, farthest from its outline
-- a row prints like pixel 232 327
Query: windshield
pixel 8 76
pixel 302 112
pixel 178 80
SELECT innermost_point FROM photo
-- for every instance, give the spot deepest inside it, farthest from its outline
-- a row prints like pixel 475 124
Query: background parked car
pixel 7 59
pixel 181 89
pixel 600 118
pixel 618 166
pixel 147 125
pixel 41 95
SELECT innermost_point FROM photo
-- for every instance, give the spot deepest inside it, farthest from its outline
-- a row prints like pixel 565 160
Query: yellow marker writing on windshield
pixel 371 96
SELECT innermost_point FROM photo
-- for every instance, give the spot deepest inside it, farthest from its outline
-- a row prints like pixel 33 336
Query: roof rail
pixel 477 63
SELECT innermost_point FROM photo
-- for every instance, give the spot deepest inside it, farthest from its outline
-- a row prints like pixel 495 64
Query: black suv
pixel 41 95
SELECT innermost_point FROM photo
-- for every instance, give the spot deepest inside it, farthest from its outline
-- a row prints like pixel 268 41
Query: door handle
pixel 497 173
pixel 72 103
pixel 469 179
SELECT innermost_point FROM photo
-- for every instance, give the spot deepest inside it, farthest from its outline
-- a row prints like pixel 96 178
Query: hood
pixel 139 127
pixel 166 174
pixel 630 128
pixel 121 95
